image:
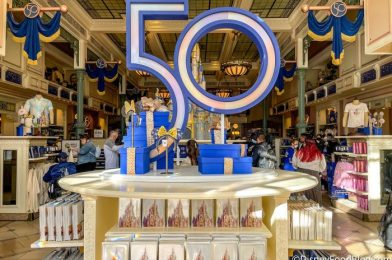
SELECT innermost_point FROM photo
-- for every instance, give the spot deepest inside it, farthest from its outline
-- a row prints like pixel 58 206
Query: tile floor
pixel 356 237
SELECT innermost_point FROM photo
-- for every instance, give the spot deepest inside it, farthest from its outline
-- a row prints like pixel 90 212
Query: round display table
pixel 101 189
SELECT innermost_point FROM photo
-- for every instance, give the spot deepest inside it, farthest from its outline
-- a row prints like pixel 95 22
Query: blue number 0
pixel 179 81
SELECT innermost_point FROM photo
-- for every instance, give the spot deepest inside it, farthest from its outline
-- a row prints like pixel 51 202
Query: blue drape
pixel 30 31
pixel 284 75
pixel 336 29
pixel 101 75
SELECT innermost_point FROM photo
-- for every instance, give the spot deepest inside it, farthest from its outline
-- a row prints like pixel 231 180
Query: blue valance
pixel 101 75
pixel 30 31
pixel 336 29
pixel 284 75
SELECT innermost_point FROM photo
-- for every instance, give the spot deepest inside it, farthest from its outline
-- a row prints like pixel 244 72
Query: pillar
pixel 265 116
pixel 80 56
pixel 80 126
pixel 122 92
pixel 301 126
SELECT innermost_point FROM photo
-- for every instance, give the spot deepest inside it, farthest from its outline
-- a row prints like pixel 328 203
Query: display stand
pixel 376 145
pixel 101 190
pixel 16 209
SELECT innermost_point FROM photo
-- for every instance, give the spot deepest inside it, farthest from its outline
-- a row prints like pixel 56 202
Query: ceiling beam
pixel 156 46
pixel 174 26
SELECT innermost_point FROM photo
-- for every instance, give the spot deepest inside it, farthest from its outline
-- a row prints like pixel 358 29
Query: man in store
pixel 263 155
pixel 111 151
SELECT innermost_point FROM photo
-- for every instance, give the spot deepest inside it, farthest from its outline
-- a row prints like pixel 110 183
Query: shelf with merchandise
pixel 314 245
pixel 38 159
pixel 350 154
pixel 357 192
pixel 57 244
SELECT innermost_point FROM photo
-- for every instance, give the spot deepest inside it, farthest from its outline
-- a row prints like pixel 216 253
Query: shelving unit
pixel 17 173
pixel 350 154
pixel 362 193
pixel 54 244
pixel 314 245
pixel 101 199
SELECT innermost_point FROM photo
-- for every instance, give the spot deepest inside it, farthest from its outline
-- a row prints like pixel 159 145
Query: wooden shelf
pixel 350 154
pixel 232 231
pixel 38 159
pixel 314 245
pixel 364 193
pixel 51 154
pixel 54 244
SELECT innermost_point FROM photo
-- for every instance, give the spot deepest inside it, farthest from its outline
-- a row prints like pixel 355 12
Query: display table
pixel 101 190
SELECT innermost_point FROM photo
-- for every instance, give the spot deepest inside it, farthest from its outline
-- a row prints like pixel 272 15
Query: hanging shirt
pixel 111 154
pixel 356 114
pixel 38 107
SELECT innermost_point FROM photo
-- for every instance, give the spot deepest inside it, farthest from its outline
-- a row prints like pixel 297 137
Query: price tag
pixel 164 143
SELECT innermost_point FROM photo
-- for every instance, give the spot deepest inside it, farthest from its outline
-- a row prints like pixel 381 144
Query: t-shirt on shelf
pixel 356 114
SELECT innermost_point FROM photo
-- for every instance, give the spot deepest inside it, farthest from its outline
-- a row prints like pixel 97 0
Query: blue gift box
pixel 213 136
pixel 142 161
pixel 140 137
pixel 220 150
pixel 161 163
pixel 241 165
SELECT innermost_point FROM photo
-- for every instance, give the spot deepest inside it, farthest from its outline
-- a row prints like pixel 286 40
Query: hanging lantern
pixel 236 68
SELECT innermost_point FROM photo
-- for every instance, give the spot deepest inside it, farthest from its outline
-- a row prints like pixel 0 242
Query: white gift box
pixel 129 213
pixel 251 213
pixel 178 213
pixel 198 249
pixel 225 248
pixel 227 213
pixel 202 213
pixel 115 250
pixel 171 249
pixel 144 249
pixel 153 213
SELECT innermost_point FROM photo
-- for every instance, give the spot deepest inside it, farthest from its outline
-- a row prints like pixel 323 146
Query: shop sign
pixel 98 133
pixel 5 106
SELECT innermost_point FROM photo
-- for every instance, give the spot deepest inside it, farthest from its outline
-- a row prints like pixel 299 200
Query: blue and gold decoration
pixel 336 28
pixel 101 75
pixel 284 76
pixel 31 30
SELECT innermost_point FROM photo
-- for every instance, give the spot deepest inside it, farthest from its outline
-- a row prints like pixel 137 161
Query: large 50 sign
pixel 180 81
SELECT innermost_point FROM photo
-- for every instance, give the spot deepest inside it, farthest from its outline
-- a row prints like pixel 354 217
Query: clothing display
pixel 356 114
pixel 40 107
pixel 37 189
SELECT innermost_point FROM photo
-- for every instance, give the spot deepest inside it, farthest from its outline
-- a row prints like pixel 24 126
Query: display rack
pixel 17 173
pixel 314 245
pixel 54 244
pixel 101 192
pixel 375 145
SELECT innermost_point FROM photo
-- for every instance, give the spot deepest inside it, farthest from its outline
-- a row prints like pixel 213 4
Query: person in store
pixel 56 172
pixel 320 142
pixel 287 160
pixel 86 156
pixel 251 143
pixel 111 151
pixel 302 140
pixel 310 160
pixel 263 155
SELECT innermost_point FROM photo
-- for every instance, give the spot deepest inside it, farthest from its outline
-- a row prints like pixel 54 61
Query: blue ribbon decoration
pixel 284 76
pixel 336 29
pixel 101 75
pixel 30 31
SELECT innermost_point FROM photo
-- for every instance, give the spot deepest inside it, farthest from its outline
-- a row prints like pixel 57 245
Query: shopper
pixel 302 140
pixel 320 142
pixel 251 143
pixel 310 160
pixel 263 155
pixel 287 160
pixel 111 151
pixel 86 156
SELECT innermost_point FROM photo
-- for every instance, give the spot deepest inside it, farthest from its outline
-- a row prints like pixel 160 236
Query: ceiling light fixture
pixel 164 94
pixel 143 73
pixel 223 93
pixel 236 68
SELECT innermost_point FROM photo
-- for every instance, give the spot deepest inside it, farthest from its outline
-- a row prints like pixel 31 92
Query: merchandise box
pixel 115 250
pixel 202 213
pixel 140 137
pixel 129 213
pixel 252 250
pixel 178 213
pixel 142 161
pixel 225 248
pixel 171 249
pixel 153 213
pixel 198 249
pixel 227 213
pixel 220 150
pixel 251 213
pixel 215 165
pixel 144 249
